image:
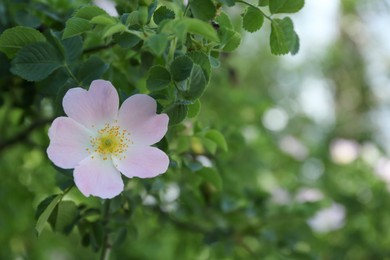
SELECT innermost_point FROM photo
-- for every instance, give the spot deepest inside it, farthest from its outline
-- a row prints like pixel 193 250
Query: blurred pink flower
pixel 328 219
pixel 100 141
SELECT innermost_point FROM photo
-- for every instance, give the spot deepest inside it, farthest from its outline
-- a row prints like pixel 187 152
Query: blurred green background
pixel 306 176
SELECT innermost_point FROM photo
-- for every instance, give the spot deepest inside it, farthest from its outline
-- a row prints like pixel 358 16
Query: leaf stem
pixel 186 10
pixel 71 74
pixel 106 247
pixel 172 49
pixel 251 5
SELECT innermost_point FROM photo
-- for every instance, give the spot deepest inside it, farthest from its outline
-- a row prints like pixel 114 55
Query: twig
pixel 98 48
pixel 106 247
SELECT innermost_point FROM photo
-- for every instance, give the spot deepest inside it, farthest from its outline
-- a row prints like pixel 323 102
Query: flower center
pixel 111 140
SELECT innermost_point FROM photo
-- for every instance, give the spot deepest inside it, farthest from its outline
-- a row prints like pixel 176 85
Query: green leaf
pixel 157 43
pixel 200 27
pixel 230 38
pixel 177 113
pixel 13 39
pixel 36 61
pixel 228 2
pixel 252 19
pixel 43 205
pixel 132 18
pixel 158 78
pixel 285 6
pixel 211 176
pixel 143 15
pixel 194 109
pixel 283 37
pixel 25 17
pixel 75 26
pixel 202 59
pixel 116 28
pixel 126 40
pixel 295 47
pixel 202 9
pixel 118 237
pixel 224 21
pixel 210 146
pixel 103 19
pixel 218 138
pixel 64 217
pixel 163 13
pixel 73 48
pixel 263 2
pixel 214 61
pixel 197 83
pixel 92 69
pixel 181 68
pixel 88 12
pixel 64 181
pixel 46 213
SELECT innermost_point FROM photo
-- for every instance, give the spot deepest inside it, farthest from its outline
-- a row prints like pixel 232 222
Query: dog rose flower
pixel 101 141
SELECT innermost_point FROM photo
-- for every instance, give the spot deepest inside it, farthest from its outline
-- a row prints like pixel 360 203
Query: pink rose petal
pixel 90 128
pixel 97 177
pixel 138 116
pixel 143 162
pixel 92 108
pixel 68 142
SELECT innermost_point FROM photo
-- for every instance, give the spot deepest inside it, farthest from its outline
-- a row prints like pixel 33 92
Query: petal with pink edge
pixel 68 142
pixel 138 116
pixel 142 161
pixel 95 107
pixel 99 178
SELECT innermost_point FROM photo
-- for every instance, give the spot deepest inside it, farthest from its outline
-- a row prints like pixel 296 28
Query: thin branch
pixel 251 5
pixel 99 48
pixel 106 246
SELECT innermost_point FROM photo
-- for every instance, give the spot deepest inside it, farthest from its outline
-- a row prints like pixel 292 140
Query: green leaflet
pixel 13 39
pixel 36 61
pixel 252 19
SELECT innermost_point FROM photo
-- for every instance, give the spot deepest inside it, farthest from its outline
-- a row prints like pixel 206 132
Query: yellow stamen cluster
pixel 111 140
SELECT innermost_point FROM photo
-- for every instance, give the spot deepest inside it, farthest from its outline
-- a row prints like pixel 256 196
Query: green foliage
pixel 283 38
pixel 218 138
pixel 36 61
pixel 103 19
pixel 201 59
pixel 181 68
pixel 91 69
pixel 200 27
pixel 158 79
pixel 286 6
pixel 89 12
pixel 161 48
pixel 177 113
pixel 76 26
pixel 230 38
pixel 202 9
pixel 13 39
pixel 228 2
pixel 211 176
pixel 252 19
pixel 263 2
pixel 157 43
pixel 163 13
pixel 47 211
pixel 194 109
pixel 196 85
pixel 64 217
